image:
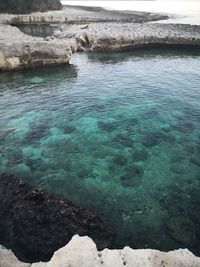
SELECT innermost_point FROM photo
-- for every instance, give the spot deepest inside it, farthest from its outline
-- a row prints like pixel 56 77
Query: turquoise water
pixel 119 133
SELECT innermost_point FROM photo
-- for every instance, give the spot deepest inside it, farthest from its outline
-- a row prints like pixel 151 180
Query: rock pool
pixel 117 132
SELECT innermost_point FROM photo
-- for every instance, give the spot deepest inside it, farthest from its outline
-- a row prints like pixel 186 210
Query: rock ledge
pixel 82 251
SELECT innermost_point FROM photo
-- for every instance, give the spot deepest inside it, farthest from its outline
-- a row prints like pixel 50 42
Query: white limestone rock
pixel 19 51
pixel 82 251
pixel 8 259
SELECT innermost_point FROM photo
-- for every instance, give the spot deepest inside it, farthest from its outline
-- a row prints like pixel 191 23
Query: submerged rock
pixel 36 80
pixel 155 138
pixel 34 223
pixel 140 155
pixel 182 229
pixel 107 126
pixel 119 160
pixel 132 177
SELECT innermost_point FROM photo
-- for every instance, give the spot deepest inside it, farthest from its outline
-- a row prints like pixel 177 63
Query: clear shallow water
pixel 119 133
pixel 41 31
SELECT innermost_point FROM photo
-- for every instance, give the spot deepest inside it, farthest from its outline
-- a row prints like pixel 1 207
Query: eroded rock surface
pixel 34 223
pixel 82 251
pixel 92 29
pixel 118 36
pixel 18 51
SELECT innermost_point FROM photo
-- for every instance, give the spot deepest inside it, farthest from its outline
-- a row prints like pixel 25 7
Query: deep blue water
pixel 117 132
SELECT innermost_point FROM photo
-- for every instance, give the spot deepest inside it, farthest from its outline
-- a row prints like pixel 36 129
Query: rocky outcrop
pixel 119 36
pixel 112 32
pixel 19 51
pixel 34 223
pixel 75 14
pixel 28 6
pixel 82 251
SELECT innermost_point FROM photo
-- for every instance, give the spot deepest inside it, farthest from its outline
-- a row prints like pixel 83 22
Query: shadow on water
pixel 148 51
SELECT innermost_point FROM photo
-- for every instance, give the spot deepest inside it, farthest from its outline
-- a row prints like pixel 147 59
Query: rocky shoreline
pixel 82 251
pixel 39 223
pixel 93 29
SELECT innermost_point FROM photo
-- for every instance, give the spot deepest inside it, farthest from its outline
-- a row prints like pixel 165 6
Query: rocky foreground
pixel 34 223
pixel 82 251
pixel 85 29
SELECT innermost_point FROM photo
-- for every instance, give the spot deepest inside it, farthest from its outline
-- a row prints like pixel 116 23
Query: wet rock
pixel 34 223
pixel 140 155
pixel 132 177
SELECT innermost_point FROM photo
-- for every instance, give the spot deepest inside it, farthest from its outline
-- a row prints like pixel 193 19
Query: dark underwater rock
pixel 119 160
pixel 14 157
pixel 182 229
pixel 122 139
pixel 132 177
pixel 195 159
pixel 69 129
pixel 184 126
pixel 34 223
pixel 154 138
pixel 36 132
pixel 107 126
pixel 140 155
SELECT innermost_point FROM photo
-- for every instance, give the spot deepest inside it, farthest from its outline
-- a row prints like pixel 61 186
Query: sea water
pixel 116 132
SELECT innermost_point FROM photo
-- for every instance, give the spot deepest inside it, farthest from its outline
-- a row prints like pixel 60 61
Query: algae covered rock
pixel 34 223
